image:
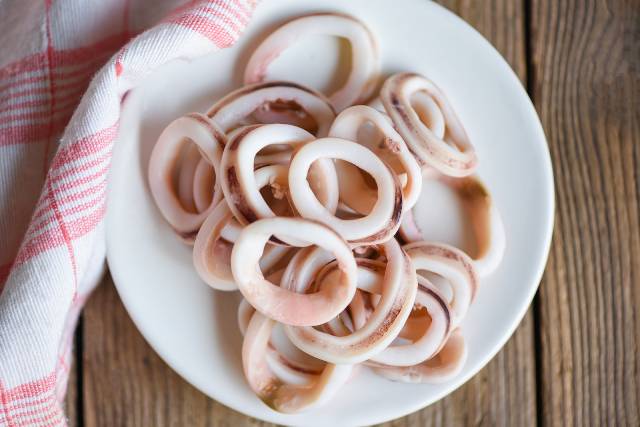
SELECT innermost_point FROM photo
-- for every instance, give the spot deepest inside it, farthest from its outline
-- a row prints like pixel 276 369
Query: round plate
pixel 193 328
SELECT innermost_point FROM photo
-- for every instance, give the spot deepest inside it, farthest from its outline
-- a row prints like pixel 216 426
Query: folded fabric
pixel 58 122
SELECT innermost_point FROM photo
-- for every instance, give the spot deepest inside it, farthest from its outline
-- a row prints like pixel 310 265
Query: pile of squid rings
pixel 303 203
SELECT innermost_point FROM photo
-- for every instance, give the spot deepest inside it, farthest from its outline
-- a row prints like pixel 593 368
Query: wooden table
pixel 574 359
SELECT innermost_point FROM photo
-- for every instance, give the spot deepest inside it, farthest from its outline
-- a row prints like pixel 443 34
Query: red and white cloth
pixel 65 66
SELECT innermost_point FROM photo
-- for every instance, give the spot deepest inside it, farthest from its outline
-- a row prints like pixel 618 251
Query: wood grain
pixel 126 384
pixel 71 399
pixel 585 63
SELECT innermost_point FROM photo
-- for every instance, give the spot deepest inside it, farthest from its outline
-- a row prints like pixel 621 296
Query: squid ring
pixel 377 105
pixel 213 245
pixel 233 109
pixel 211 251
pixel 237 170
pixel 346 126
pixel 210 140
pixel 429 148
pixel 244 314
pixel 426 340
pixel 303 268
pixel 383 220
pixel 485 219
pixel 301 271
pixel 365 66
pixel 299 372
pixel 281 304
pixel 452 264
pixel 443 367
pixel 427 109
pixel 204 181
pixel 286 398
pixel 186 176
pixel 383 326
pixel 429 113
pixel 288 113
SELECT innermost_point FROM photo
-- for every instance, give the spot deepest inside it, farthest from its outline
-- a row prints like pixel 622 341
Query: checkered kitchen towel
pixel 65 66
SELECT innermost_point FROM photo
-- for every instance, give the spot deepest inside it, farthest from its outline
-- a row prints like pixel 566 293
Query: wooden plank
pixel 125 383
pixel 71 406
pixel 586 87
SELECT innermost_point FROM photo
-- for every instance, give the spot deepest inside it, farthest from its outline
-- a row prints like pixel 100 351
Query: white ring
pixel 212 253
pixel 364 61
pixel 441 368
pixel 210 140
pixel 233 109
pixel 279 303
pixel 452 264
pixel 186 173
pixel 383 220
pixel 213 246
pixel 237 166
pixel 348 123
pixel 428 147
pixel 430 340
pixel 286 398
pixel 483 214
pixel 398 292
pixel 205 190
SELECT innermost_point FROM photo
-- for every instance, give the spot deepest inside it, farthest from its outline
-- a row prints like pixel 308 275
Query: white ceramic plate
pixel 193 328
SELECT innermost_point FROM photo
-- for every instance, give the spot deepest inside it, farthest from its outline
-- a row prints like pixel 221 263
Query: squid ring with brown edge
pixel 443 367
pixel 230 112
pixel 303 267
pixel 281 304
pixel 186 178
pixel 427 109
pixel 383 220
pixel 486 222
pixel 383 326
pixel 289 370
pixel 429 148
pixel 452 264
pixel 203 181
pixel 347 124
pixel 237 170
pixel 196 183
pixel 213 245
pixel 286 398
pixel 364 61
pixel 425 342
pixel 210 140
